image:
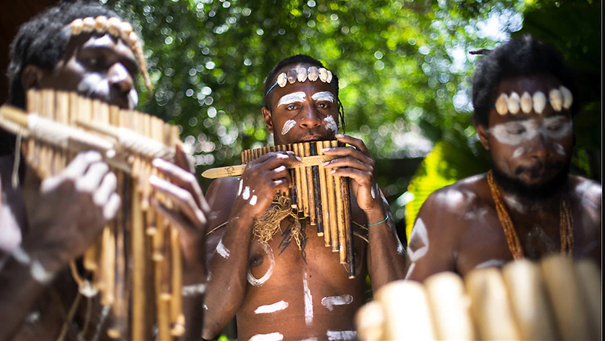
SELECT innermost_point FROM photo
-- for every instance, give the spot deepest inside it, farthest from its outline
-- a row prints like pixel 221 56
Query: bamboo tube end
pixel 165 296
pixel 157 257
pixel 178 329
pixel 113 333
pixel 320 234
pixel 151 231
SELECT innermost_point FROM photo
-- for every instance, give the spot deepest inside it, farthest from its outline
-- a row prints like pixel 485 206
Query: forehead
pixel 308 87
pixel 100 43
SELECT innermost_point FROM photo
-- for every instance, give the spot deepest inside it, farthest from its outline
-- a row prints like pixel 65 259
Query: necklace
pixel 565 223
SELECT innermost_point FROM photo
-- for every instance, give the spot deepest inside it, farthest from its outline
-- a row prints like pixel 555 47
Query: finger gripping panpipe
pixel 135 265
pixel 318 196
pixel 554 299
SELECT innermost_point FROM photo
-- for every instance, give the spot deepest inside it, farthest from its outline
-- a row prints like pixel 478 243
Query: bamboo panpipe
pixel 138 244
pixel 553 299
pixel 315 195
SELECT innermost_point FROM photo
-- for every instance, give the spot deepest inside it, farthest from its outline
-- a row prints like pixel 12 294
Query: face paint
pixel 517 132
pixel 308 302
pixel 295 97
pixel 259 281
pixel 331 124
pixel 222 250
pixel 271 308
pixel 341 335
pixel 267 337
pixel 310 339
pixel 559 149
pixel 330 301
pixel 518 152
pixel 324 96
pixel 287 126
pixel 246 193
pixel 253 200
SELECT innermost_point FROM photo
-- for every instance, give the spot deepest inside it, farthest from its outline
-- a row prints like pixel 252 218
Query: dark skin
pixel 458 229
pixel 247 276
pixel 102 67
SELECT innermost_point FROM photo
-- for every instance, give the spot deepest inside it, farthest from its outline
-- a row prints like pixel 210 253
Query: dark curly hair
pixel 302 59
pixel 523 56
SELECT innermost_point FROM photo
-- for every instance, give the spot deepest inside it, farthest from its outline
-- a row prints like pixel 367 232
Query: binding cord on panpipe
pixel 135 266
pixel 554 299
pixel 316 194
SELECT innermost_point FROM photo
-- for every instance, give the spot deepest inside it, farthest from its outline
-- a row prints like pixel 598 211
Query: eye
pixel 323 105
pixel 291 107
pixel 517 130
pixel 555 127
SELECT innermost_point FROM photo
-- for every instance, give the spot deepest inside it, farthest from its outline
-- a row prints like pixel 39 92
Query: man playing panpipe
pixel 527 205
pixel 46 224
pixel 271 270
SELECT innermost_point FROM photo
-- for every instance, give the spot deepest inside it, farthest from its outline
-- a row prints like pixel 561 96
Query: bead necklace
pixel 565 223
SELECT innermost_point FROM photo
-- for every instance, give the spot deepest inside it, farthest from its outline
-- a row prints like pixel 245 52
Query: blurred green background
pixel 404 69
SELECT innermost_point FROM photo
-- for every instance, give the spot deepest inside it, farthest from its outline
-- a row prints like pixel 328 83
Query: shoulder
pixel 458 197
pixel 585 190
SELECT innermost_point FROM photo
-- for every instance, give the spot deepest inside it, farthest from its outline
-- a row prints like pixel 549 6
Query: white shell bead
pixel 526 104
pixel 313 74
pixel 556 99
pixel 323 74
pixel 513 103
pixel 567 97
pixel 501 104
pixel 301 74
pixel 539 102
pixel 282 79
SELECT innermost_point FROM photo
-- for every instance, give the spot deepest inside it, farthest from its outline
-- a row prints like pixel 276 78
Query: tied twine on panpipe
pixel 316 194
pixel 136 264
pixel 554 299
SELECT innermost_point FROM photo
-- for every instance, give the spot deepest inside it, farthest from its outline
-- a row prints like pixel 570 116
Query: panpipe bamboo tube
pixel 490 306
pixel 139 299
pixel 370 322
pixel 449 307
pixel 324 198
pixel 564 292
pixel 176 305
pixel 529 301
pixel 589 280
pixel 315 193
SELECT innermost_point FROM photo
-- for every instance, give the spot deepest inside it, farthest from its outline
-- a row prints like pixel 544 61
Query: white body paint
pixel 419 231
pixel 287 126
pixel 271 308
pixel 267 337
pixel 518 152
pixel 241 187
pixel 324 96
pixel 222 250
pixel 491 263
pixel 295 97
pixel 559 149
pixel 253 200
pixel 260 281
pixel 330 301
pixel 308 301
pixel 330 123
pixel 341 335
pixel 246 193
pixel 516 132
pixel 310 339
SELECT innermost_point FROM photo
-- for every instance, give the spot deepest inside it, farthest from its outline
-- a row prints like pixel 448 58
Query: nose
pixel 310 118
pixel 541 147
pixel 120 79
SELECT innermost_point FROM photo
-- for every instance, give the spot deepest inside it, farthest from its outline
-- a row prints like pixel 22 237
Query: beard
pixel 536 192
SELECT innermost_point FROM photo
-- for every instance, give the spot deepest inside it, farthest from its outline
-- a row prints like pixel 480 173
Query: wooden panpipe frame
pixel 136 264
pixel 316 194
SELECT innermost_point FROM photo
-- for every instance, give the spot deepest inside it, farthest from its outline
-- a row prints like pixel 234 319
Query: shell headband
pixel 301 74
pixel 558 98
pixel 117 28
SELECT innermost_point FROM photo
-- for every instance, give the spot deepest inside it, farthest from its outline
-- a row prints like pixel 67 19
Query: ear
pixel 31 76
pixel 482 134
pixel 268 119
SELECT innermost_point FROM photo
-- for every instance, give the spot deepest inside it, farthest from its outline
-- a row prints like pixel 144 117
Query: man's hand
pixel 189 211
pixel 262 179
pixel 67 212
pixel 356 163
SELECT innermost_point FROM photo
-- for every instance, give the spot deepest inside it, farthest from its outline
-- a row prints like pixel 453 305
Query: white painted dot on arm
pixel 253 200
pixel 246 193
pixel 222 250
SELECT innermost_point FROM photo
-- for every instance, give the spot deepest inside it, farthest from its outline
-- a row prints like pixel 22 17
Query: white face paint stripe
pixel 295 97
pixel 324 96
pixel 516 132
pixel 287 126
pixel 267 337
pixel 308 301
pixel 341 335
pixel 222 250
pixel 518 152
pixel 259 281
pixel 330 301
pixel 271 308
pixel 560 150
pixel 330 123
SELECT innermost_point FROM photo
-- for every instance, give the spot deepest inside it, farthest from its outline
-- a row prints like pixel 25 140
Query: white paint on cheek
pixel 253 200
pixel 260 281
pixel 330 301
pixel 267 337
pixel 324 96
pixel 507 133
pixel 491 263
pixel 295 97
pixel 310 339
pixel 330 123
pixel 222 250
pixel 246 193
pixel 419 232
pixel 559 149
pixel 271 308
pixel 308 301
pixel 341 335
pixel 287 126
pixel 518 152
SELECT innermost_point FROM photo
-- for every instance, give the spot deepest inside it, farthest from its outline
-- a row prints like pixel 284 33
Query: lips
pixel 310 138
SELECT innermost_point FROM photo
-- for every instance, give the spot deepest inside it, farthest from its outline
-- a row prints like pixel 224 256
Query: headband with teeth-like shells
pixel 558 98
pixel 301 74
pixel 117 28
